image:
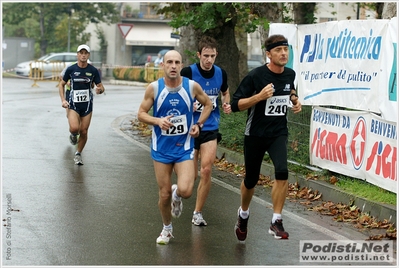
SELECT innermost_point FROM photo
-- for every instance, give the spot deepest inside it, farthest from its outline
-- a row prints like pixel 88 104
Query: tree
pixel 389 10
pixel 275 13
pixel 224 22
pixel 304 13
pixel 77 34
pixel 229 24
pixel 51 14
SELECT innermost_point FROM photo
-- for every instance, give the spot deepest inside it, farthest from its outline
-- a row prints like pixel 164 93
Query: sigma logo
pixel 358 143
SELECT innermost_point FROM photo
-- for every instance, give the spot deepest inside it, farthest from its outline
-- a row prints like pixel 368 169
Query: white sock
pixel 244 214
pixel 168 227
pixel 276 216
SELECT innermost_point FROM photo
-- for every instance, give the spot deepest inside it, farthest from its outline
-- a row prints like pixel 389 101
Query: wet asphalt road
pixel 105 212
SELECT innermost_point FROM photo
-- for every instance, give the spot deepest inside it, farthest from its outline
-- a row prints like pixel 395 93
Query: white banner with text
pixel 357 144
pixel 348 63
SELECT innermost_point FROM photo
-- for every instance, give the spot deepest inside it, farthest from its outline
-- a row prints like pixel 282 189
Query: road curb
pixel 329 191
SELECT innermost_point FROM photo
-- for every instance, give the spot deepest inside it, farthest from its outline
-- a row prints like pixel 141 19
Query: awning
pixel 150 35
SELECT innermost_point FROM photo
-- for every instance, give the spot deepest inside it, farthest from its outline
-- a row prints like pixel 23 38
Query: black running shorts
pixel 254 151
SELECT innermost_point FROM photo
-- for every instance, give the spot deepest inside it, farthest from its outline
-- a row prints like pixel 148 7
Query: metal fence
pixel 299 136
pixel 45 71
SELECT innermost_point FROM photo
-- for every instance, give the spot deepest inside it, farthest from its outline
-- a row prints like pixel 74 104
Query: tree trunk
pixel 304 13
pixel 242 45
pixel 228 55
pixel 188 45
pixel 273 12
pixel 43 41
pixel 389 10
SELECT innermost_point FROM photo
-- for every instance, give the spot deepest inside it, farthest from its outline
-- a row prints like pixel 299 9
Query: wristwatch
pixel 199 125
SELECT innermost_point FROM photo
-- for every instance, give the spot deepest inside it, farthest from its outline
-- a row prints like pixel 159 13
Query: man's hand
pixel 99 90
pixel 164 122
pixel 226 108
pixel 266 92
pixel 65 104
pixel 297 107
pixel 195 131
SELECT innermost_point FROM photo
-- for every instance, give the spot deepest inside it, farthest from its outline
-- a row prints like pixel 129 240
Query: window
pixel 70 58
pixel 57 58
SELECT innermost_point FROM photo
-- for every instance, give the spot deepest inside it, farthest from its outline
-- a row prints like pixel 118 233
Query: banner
pixel 388 104
pixel 357 144
pixel 348 63
pixel 340 63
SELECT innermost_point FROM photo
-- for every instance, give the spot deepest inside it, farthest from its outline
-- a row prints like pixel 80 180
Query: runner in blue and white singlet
pixel 213 80
pixel 173 144
pixel 171 99
pixel 212 87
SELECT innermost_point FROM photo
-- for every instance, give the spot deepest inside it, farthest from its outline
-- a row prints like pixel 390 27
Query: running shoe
pixel 73 139
pixel 241 227
pixel 78 159
pixel 198 219
pixel 177 206
pixel 165 236
pixel 277 230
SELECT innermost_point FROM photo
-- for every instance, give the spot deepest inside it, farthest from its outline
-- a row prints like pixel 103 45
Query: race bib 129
pixel 179 126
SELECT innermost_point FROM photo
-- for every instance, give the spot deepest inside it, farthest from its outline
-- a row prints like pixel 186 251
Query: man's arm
pixel 145 106
pixel 297 106
pixel 97 81
pixel 100 88
pixel 245 96
pixel 226 101
pixel 61 91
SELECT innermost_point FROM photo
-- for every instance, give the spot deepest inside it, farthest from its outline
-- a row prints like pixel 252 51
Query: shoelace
pixel 199 216
pixel 176 205
pixel 279 225
pixel 167 233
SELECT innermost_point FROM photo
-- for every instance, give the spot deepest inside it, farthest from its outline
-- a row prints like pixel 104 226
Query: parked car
pixel 159 59
pixel 143 59
pixel 252 64
pixel 46 63
pixel 163 52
